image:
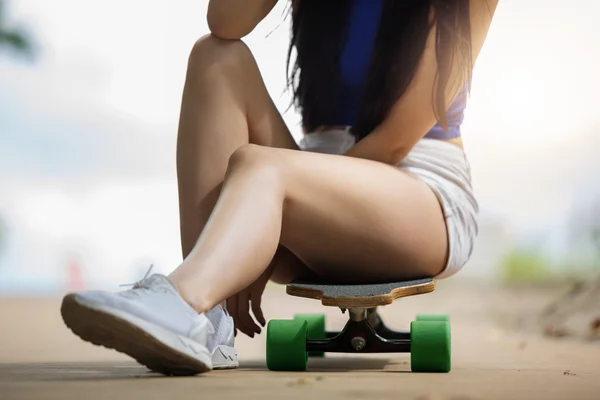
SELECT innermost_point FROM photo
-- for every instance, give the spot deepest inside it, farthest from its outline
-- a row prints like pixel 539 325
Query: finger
pixel 232 308
pixel 250 327
pixel 256 298
pixel 246 321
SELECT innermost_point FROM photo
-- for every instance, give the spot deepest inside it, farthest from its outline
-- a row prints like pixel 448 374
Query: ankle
pixel 199 300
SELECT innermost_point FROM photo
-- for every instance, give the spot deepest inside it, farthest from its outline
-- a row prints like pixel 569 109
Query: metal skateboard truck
pixel 291 342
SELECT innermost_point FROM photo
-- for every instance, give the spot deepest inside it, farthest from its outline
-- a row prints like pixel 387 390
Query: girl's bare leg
pixel 346 218
pixel 225 105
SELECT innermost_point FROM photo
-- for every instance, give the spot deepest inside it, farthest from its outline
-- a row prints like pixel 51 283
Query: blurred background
pixel 89 104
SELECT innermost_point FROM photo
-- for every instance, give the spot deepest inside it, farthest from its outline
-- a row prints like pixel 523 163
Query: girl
pixel 378 189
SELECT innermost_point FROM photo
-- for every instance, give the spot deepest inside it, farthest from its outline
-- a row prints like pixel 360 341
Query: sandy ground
pixel 498 353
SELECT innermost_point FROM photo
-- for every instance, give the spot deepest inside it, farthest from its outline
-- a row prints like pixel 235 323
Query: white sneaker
pixel 155 326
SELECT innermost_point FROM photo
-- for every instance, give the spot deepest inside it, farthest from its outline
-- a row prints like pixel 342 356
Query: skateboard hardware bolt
pixel 358 343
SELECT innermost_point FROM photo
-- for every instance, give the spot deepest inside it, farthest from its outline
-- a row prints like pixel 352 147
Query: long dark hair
pixel 318 35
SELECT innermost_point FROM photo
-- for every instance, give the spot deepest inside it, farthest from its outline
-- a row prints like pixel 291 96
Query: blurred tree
pixel 14 38
pixel 20 43
pixel 525 266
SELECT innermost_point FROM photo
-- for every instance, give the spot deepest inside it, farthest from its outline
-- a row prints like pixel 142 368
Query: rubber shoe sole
pixel 159 349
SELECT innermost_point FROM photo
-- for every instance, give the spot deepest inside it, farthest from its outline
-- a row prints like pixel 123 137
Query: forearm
pixel 234 19
pixel 377 149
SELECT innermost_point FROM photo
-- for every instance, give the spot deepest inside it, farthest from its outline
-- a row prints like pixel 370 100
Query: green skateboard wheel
pixel 430 349
pixel 286 345
pixel 432 317
pixel 315 329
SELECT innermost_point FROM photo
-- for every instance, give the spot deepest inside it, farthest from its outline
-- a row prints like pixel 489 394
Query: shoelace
pixel 139 283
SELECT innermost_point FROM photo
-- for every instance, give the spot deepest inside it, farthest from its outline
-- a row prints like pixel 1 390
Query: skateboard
pixel 291 342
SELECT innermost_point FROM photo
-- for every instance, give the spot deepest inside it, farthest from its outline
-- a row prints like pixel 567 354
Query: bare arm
pixel 234 19
pixel 413 115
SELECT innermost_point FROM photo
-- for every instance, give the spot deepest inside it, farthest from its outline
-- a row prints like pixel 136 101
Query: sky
pixel 88 130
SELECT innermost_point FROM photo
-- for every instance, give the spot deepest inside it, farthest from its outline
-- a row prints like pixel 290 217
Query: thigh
pixel 357 220
pixel 225 105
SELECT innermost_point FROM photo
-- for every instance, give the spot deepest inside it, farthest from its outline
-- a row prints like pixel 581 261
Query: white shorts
pixel 441 165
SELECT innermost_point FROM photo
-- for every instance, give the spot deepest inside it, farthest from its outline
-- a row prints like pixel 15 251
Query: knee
pixel 251 156
pixel 259 162
pixel 211 53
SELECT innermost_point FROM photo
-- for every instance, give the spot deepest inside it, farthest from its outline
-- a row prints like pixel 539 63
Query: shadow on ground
pixel 64 371
pixel 333 364
pixel 97 371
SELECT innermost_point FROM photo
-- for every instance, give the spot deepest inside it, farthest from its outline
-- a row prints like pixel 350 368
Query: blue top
pixel 354 64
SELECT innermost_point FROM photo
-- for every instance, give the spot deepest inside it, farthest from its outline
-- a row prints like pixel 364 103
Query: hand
pixel 239 305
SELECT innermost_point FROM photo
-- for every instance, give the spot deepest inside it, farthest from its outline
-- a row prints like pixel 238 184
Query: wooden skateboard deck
pixel 348 296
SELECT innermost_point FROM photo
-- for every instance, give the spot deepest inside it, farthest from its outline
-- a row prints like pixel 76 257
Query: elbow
pixel 396 155
pixel 228 34
pixel 227 31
